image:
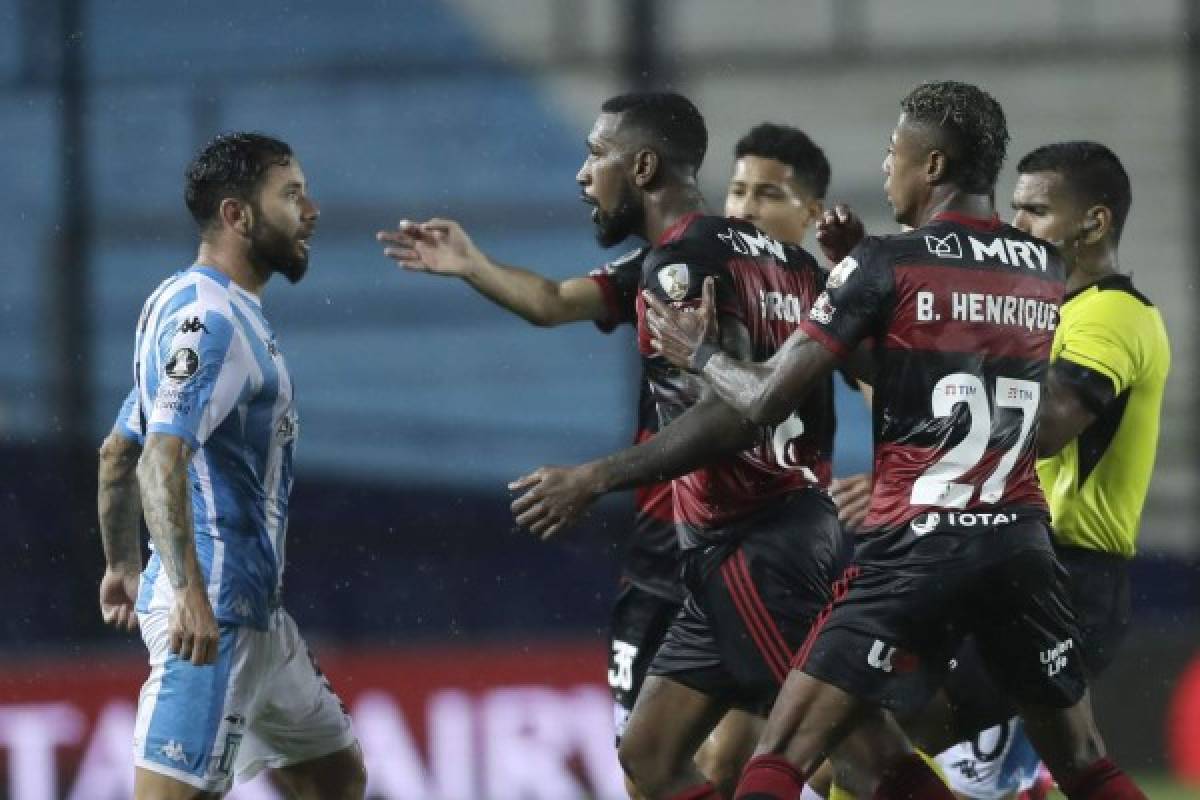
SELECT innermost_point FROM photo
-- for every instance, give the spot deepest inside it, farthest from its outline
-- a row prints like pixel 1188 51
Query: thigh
pixel 669 722
pixel 882 638
pixel 1027 633
pixel 639 622
pixel 336 776
pixel 1099 588
pixel 300 718
pixel 190 720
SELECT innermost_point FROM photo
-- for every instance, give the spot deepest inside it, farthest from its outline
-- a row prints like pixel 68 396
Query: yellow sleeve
pixel 1103 337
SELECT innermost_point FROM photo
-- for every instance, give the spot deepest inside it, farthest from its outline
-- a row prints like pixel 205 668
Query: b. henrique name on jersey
pixel 769 287
pixel 962 314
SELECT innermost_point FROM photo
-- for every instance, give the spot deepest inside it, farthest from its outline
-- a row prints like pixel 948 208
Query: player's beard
pixel 277 251
pixel 616 226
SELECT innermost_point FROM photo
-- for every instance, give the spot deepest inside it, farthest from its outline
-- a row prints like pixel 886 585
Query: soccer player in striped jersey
pixel 232 689
pixel 958 311
pixel 1098 428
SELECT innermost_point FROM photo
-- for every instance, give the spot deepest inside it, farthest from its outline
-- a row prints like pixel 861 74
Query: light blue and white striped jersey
pixel 207 369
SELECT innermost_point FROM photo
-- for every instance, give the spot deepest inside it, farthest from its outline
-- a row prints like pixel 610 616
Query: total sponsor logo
pixel 932 520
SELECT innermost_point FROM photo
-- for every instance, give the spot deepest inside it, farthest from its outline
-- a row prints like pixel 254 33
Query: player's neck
pixel 952 200
pixel 665 207
pixel 1092 267
pixel 233 263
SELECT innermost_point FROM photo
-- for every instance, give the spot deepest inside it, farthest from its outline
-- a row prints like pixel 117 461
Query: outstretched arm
pixel 162 474
pixel 442 247
pixel 119 507
pixel 553 498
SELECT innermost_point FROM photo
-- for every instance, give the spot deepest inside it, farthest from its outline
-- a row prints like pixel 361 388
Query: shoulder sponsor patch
pixel 182 364
pixel 675 280
pixel 823 310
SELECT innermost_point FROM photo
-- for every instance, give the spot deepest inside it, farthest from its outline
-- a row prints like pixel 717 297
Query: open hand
pixel 679 334
pixel 438 246
pixel 191 627
pixel 553 498
pixel 839 230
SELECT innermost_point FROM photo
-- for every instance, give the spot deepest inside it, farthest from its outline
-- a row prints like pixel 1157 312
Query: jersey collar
pixel 675 231
pixel 983 223
pixel 211 272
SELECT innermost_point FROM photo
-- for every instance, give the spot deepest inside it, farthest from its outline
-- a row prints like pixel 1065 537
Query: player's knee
pixel 643 765
pixel 722 765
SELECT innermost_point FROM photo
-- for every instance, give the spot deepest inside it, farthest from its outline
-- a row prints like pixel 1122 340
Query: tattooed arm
pixel 120 511
pixel 162 474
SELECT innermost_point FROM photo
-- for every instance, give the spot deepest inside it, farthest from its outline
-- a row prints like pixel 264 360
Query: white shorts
pixel 263 704
pixel 999 763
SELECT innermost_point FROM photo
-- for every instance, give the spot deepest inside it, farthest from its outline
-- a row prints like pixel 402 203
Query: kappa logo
pixel 193 325
pixel 841 272
pixel 675 280
pixel 173 751
pixel 948 246
pixel 182 364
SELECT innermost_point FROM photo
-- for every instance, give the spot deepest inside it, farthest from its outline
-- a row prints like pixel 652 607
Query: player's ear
pixel 937 165
pixel 237 215
pixel 1097 224
pixel 646 165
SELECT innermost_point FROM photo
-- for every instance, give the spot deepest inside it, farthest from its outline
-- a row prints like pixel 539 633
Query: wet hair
pixel 231 165
pixel 674 126
pixel 973 126
pixel 1091 172
pixel 790 146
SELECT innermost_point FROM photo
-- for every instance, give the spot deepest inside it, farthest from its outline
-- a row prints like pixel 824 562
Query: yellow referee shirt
pixel 1096 485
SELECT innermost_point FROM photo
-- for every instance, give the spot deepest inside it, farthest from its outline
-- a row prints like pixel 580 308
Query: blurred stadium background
pixel 472 656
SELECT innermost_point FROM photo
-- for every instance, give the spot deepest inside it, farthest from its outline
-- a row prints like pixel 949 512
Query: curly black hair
pixel 790 146
pixel 673 123
pixel 231 165
pixel 1092 173
pixel 973 124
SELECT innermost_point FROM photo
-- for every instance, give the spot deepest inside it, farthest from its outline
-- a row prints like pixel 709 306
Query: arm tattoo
pixel 163 476
pixel 118 503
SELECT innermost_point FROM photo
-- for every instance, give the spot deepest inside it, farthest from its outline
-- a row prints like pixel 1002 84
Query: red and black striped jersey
pixel 768 287
pixel 651 559
pixel 961 315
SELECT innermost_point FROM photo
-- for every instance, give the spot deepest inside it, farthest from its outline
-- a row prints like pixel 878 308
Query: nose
pixel 314 210
pixel 583 177
pixel 743 208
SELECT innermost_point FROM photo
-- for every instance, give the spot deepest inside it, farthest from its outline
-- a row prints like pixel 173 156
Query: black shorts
pixel 752 600
pixel 639 621
pixel 903 610
pixel 1099 588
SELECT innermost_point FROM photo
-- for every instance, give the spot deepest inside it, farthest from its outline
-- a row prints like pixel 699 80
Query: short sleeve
pixel 619 281
pixel 678 277
pixel 856 301
pixel 1098 341
pixel 129 423
pixel 203 370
